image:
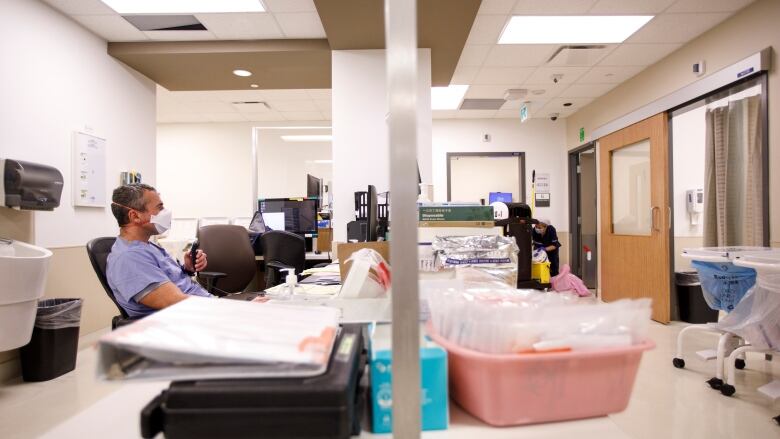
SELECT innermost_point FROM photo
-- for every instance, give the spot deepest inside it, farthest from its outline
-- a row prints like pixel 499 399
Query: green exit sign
pixel 582 134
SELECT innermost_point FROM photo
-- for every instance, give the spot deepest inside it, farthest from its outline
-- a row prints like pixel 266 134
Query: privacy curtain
pixel 733 180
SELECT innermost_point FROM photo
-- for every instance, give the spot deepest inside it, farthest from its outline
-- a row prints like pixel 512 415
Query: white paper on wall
pixel 89 170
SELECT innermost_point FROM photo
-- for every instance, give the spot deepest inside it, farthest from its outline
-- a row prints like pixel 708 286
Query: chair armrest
pixel 211 278
pixel 278 265
pixel 119 321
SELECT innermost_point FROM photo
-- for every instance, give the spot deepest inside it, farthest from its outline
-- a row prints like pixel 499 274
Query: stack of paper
pixel 210 338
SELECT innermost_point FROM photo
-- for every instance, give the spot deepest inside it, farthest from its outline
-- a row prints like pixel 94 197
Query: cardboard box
pixel 324 240
pixel 345 250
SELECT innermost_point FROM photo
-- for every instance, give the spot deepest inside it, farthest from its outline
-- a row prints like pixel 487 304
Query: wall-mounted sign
pixel 89 170
pixel 523 113
pixel 542 200
pixel 542 183
pixel 582 134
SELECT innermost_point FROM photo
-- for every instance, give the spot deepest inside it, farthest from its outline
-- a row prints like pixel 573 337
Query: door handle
pixel 652 218
pixel 669 217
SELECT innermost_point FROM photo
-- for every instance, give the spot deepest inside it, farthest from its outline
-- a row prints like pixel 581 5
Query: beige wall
pixel 747 32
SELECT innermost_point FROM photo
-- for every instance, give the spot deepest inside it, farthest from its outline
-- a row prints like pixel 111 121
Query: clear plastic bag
pixel 757 316
pixel 500 320
pixel 723 283
pixel 495 256
pixel 58 313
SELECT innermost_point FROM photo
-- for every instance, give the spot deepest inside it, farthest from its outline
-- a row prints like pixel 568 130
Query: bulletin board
pixel 89 170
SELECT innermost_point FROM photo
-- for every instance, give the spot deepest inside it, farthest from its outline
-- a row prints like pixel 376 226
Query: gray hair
pixel 128 196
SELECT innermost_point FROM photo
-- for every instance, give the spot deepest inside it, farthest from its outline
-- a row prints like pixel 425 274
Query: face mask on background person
pixel 162 221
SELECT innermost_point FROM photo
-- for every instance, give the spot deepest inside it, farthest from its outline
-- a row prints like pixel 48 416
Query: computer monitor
pixel 296 215
pixel 313 187
pixel 504 197
pixel 372 220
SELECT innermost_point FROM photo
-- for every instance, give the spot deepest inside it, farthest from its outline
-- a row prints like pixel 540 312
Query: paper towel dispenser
pixel 32 186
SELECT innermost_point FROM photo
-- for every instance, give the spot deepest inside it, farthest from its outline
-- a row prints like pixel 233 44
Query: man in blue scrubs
pixel 544 235
pixel 143 276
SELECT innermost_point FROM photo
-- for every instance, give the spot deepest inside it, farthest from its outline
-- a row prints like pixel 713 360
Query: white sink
pixel 23 269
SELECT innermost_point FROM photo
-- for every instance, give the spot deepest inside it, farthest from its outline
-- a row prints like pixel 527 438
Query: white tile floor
pixel 666 403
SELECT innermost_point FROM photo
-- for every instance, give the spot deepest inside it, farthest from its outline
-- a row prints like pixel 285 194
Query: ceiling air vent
pixel 165 22
pixel 481 104
pixel 579 55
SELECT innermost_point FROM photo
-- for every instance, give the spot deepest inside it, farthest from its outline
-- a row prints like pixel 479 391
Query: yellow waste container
pixel 541 271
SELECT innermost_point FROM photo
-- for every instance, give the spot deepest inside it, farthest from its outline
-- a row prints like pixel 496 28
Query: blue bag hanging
pixel 723 283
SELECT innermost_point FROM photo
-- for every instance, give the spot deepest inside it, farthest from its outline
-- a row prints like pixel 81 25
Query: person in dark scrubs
pixel 545 236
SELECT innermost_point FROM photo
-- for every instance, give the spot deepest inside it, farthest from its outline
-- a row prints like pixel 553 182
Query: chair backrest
pixel 229 251
pixel 284 247
pixel 98 250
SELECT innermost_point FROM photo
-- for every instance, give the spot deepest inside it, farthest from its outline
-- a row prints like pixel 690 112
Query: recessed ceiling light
pixel 254 85
pixel 567 104
pixel 447 98
pixel 183 6
pixel 571 29
pixel 241 72
pixel 308 138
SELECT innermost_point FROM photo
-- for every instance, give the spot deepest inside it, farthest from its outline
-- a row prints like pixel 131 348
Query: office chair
pixel 230 252
pixel 282 250
pixel 98 250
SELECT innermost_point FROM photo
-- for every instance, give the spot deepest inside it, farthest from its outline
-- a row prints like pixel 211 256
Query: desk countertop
pixel 310 256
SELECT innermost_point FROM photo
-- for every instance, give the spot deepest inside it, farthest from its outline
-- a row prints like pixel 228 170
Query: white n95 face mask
pixel 162 221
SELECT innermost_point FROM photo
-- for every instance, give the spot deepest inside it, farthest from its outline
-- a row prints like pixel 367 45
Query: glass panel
pixel 631 213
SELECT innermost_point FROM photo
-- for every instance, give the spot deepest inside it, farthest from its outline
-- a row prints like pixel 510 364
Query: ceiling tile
pixel 195 96
pixel 496 6
pixel 264 117
pixel 543 75
pixel 299 105
pixel 508 114
pixel 244 26
pixel 225 117
pixel 81 7
pixel 486 29
pixel 519 55
pixel 319 93
pixel 532 106
pixel 586 90
pixel 230 96
pixel 301 25
pixel 552 7
pixel 708 5
pixel 475 114
pixel 676 28
pixel 502 75
pixel 464 74
pixel 550 91
pixel 303 115
pixel 111 27
pixel 487 91
pixel 445 114
pixel 289 5
pixel 286 95
pixel 259 107
pixel 324 105
pixel 180 35
pixel 556 106
pixel 609 7
pixel 473 55
pixel 568 57
pixel 638 54
pixel 609 74
pixel 181 118
pixel 210 107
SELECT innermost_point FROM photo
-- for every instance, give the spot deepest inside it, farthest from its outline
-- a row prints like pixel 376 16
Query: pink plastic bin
pixel 505 390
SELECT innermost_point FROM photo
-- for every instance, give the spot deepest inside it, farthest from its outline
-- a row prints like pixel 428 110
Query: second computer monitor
pixel 296 215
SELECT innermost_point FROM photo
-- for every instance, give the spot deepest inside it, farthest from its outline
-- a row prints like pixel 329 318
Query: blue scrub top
pixel 136 268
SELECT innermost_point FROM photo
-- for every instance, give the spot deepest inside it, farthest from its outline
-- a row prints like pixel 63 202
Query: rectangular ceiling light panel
pixel 308 138
pixel 183 6
pixel 447 98
pixel 571 29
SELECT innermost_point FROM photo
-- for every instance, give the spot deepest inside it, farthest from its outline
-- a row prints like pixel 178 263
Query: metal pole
pixel 254 172
pixel 401 38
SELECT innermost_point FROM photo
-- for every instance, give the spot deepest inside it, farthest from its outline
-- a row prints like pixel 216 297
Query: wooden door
pixel 635 220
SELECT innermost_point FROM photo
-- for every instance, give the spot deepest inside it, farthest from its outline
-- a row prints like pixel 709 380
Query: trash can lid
pixel 687 278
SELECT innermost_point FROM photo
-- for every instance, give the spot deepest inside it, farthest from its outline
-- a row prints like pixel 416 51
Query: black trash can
pixel 55 340
pixel 693 307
